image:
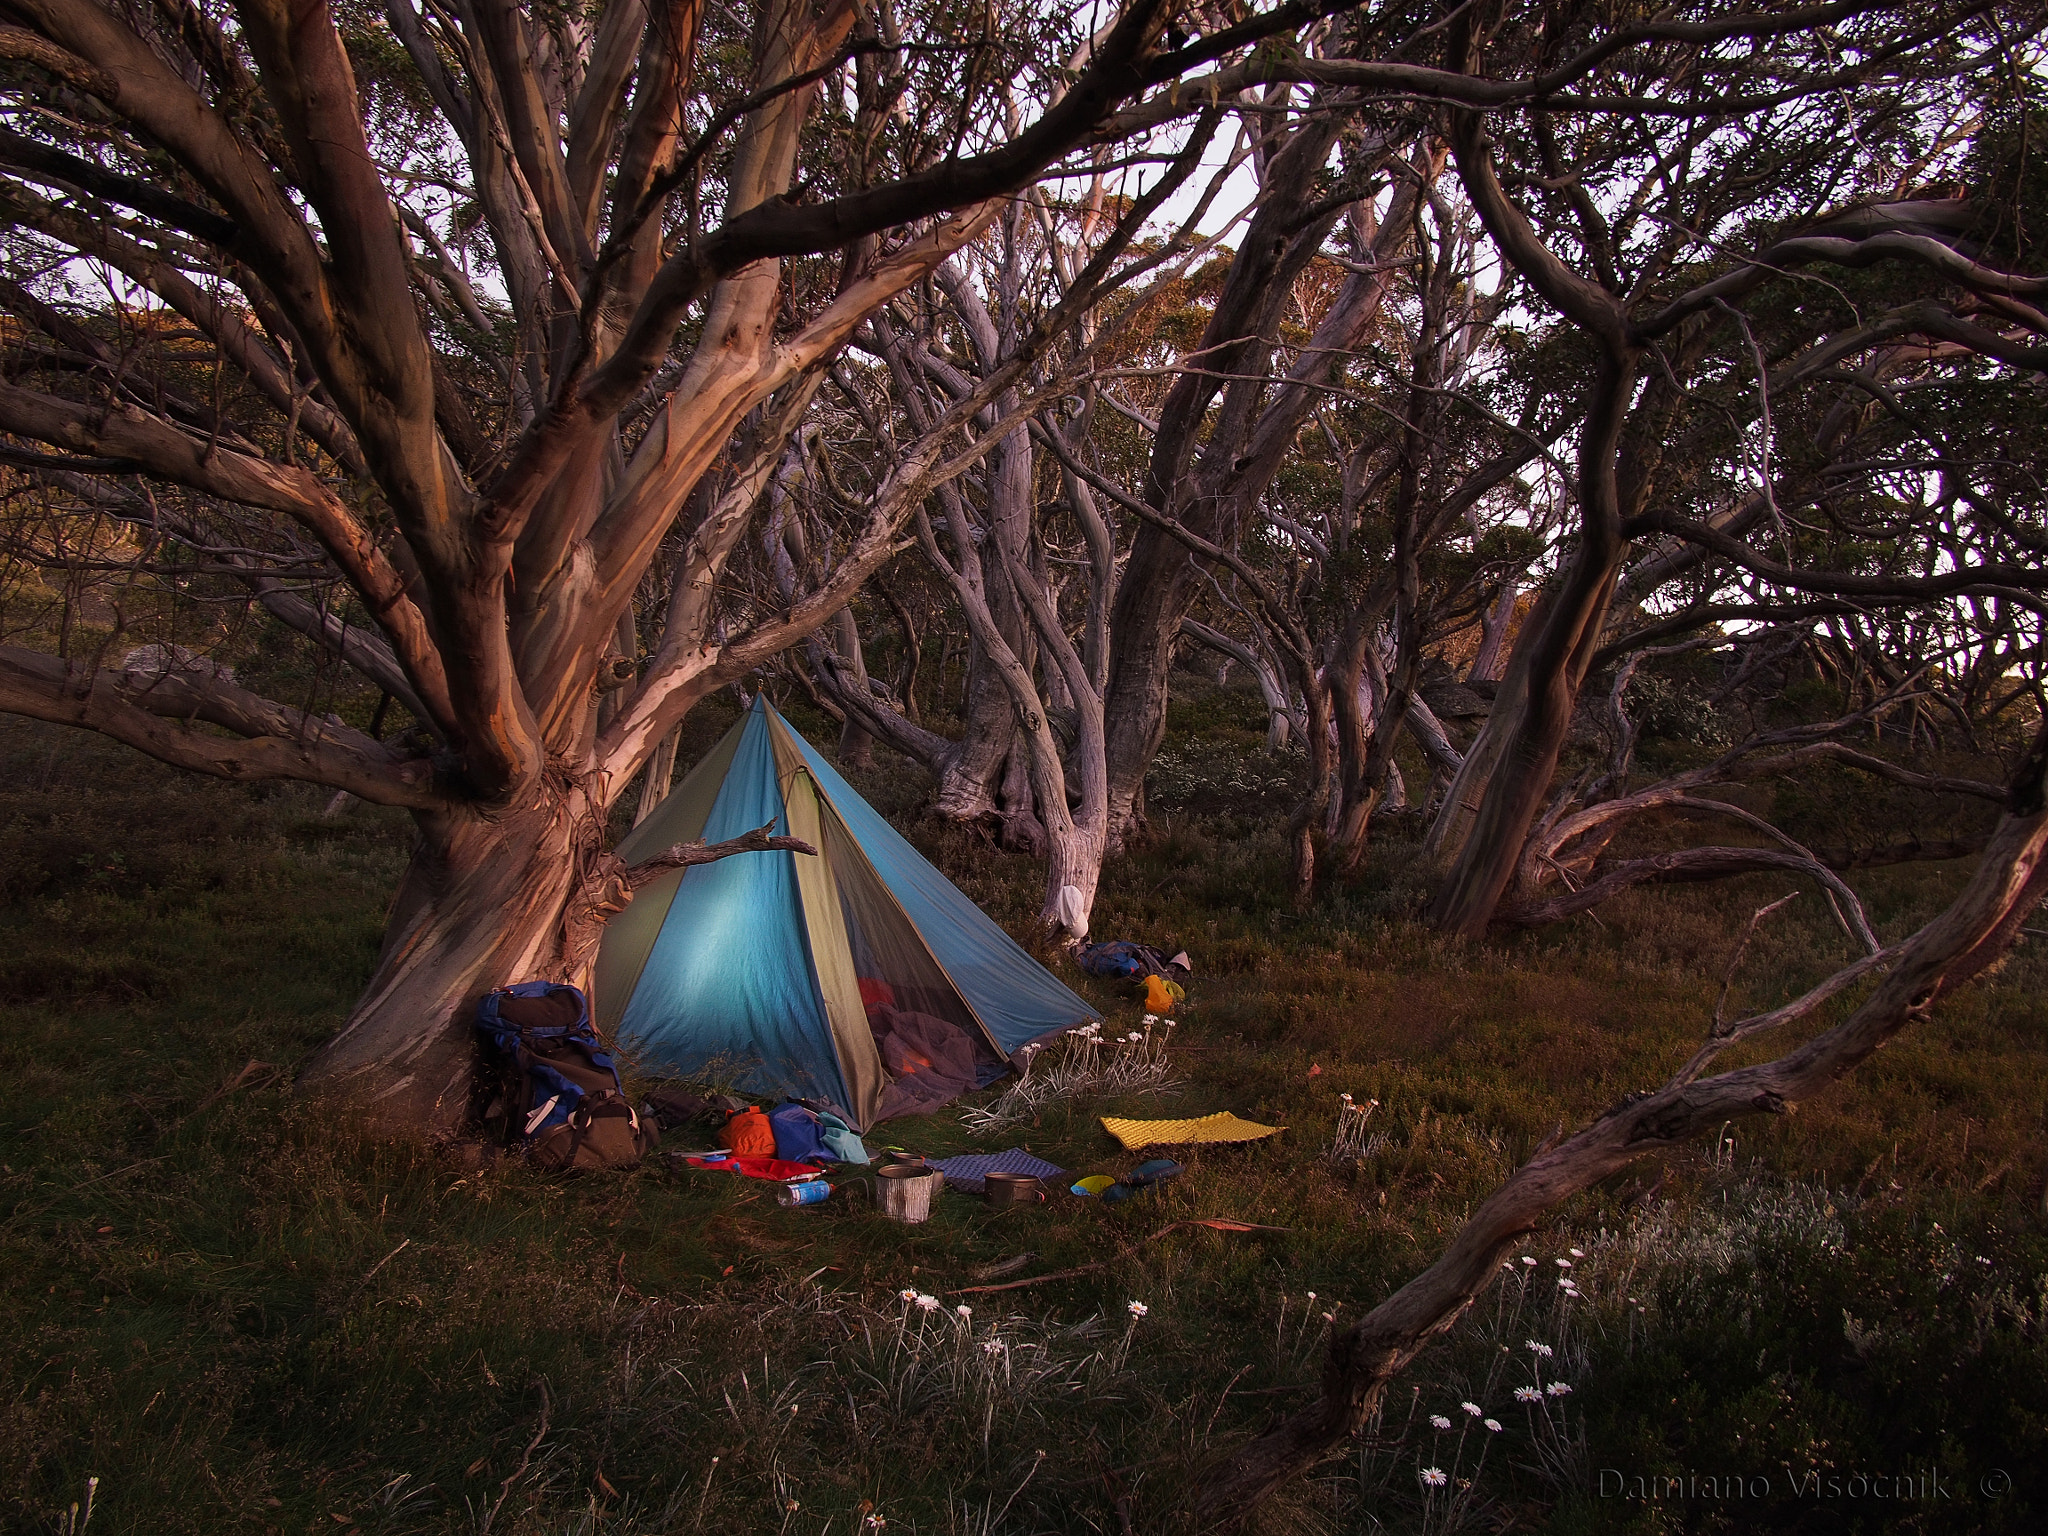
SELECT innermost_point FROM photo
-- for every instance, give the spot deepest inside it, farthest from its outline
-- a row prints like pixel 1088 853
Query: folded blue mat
pixel 966 1172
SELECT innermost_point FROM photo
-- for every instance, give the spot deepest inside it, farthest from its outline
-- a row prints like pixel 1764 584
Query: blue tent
pixel 764 967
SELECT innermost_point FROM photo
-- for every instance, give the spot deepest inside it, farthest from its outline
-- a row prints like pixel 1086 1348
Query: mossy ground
pixel 238 1315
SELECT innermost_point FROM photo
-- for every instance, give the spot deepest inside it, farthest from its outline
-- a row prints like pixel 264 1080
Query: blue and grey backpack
pixel 559 1092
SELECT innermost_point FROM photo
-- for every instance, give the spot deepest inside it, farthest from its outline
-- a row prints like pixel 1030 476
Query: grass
pixel 237 1315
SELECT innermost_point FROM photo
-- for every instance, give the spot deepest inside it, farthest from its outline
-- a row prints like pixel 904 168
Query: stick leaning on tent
pixel 609 884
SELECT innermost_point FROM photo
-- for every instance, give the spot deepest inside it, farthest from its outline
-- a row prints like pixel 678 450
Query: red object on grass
pixel 756 1167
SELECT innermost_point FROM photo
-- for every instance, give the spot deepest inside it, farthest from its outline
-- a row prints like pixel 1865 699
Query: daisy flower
pixel 1434 1477
pixel 1136 1308
pixel 1439 1421
pixel 1528 1395
pixel 1540 1351
pixel 1558 1388
pixel 907 1294
pixel 1472 1408
pixel 964 1310
pixel 1493 1425
pixel 927 1302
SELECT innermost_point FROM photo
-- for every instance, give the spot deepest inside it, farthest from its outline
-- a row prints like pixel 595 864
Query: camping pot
pixel 889 1159
pixel 1001 1189
pixel 904 1190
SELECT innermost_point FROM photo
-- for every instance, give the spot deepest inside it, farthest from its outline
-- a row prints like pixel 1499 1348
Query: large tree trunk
pixel 1527 729
pixel 856 746
pixel 1493 635
pixel 661 770
pixel 968 778
pixel 480 906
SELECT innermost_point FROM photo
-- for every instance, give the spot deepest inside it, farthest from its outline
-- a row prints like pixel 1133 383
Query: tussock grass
pixel 240 1316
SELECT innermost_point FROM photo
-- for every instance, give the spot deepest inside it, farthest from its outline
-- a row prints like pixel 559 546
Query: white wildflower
pixel 1558 1388
pixel 1540 1351
pixel 1434 1477
pixel 1528 1395
pixel 1136 1308
pixel 1439 1421
pixel 964 1310
pixel 927 1302
pixel 1577 1253
pixel 1472 1408
pixel 992 1346
pixel 1528 1261
pixel 1493 1425
pixel 1562 1263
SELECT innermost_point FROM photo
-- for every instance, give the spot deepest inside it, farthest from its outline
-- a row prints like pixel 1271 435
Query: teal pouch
pixel 839 1138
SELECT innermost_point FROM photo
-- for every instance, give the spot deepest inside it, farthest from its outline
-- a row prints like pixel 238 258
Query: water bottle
pixel 809 1192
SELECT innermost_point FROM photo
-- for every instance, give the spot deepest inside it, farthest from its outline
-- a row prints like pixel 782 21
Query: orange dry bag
pixel 748 1134
pixel 1160 994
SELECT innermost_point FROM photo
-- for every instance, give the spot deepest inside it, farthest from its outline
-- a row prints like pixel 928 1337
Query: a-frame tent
pixel 755 966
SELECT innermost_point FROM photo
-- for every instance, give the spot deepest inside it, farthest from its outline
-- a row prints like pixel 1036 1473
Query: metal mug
pixel 1012 1189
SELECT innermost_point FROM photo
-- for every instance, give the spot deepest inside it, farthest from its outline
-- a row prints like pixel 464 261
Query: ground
pixel 235 1314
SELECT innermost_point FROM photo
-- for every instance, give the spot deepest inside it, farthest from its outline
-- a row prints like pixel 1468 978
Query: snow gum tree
pixel 420 330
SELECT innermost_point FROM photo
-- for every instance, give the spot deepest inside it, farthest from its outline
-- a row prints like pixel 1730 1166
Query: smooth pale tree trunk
pixel 1453 823
pixel 1530 728
pixel 480 905
pixel 1491 658
pixel 856 747
pixel 1023 831
pixel 661 770
pixel 1272 687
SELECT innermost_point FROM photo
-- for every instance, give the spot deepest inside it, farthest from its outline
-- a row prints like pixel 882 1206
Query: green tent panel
pixel 754 968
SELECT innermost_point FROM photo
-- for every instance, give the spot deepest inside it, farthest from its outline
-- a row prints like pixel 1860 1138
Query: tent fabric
pixel 831 956
pixel 761 968
pixel 728 985
pixel 1016 999
pixel 629 937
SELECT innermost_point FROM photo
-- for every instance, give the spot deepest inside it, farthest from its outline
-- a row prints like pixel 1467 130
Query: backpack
pixel 1120 958
pixel 559 1093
